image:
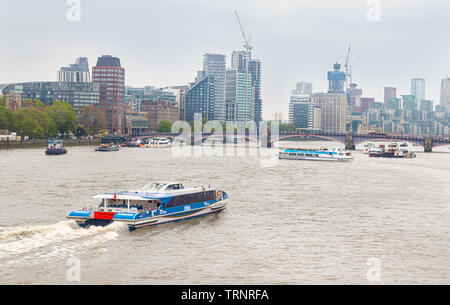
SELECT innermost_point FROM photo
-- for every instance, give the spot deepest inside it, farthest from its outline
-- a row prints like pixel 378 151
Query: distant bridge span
pixel 350 140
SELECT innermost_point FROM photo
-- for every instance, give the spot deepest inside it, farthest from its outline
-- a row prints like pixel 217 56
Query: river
pixel 295 222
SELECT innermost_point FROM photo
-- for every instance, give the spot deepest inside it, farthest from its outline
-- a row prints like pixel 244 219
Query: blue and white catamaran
pixel 154 204
pixel 322 154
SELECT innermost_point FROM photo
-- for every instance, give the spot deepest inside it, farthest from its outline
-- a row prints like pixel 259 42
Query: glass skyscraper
pixel 215 65
pixel 200 98
pixel 418 89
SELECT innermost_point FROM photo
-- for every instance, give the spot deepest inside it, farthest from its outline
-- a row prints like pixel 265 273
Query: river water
pixel 294 222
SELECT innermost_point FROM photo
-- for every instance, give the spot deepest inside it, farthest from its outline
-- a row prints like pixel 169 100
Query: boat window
pixel 191 198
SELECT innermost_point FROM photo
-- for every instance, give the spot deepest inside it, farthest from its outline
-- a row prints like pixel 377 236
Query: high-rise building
pixel 255 70
pixel 200 98
pixel 354 97
pixel 78 72
pixel 366 103
pixel 109 74
pixel 303 88
pixel 389 93
pixel 445 93
pixel 242 62
pixel 215 65
pixel 239 96
pixel 418 89
pixel 303 113
pixel 334 111
pixel 336 79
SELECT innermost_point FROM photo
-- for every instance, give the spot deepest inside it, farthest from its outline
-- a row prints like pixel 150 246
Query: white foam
pixel 52 241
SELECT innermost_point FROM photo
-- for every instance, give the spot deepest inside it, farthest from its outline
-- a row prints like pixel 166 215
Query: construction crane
pixel 351 70
pixel 247 40
pixel 347 66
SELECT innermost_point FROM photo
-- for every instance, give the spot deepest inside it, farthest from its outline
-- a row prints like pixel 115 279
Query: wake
pixel 34 244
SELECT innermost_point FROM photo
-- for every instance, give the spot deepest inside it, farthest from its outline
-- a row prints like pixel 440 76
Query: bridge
pixel 350 140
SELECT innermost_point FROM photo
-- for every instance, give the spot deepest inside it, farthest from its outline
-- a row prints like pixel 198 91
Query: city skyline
pixel 414 42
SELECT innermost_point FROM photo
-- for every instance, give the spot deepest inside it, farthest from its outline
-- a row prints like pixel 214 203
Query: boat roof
pixel 130 195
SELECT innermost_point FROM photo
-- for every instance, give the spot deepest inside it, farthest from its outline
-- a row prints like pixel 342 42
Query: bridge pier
pixel 428 144
pixel 349 144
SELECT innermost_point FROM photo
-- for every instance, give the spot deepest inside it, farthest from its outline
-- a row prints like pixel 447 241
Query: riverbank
pixel 43 143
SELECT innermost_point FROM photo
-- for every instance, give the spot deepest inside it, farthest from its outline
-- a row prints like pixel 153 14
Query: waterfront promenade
pixel 43 143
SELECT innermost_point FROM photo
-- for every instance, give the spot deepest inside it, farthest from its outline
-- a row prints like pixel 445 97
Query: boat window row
pixel 191 198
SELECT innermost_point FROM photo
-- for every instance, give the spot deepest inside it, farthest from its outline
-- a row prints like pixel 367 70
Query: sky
pixel 162 42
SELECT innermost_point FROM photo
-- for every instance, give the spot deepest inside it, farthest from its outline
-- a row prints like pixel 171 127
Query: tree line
pixel 38 121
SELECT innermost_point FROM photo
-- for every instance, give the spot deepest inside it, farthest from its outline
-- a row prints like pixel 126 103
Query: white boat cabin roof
pixel 158 190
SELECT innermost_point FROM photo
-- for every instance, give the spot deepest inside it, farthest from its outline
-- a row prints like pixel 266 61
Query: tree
pixel 3 100
pixel 63 115
pixel 81 131
pixel 92 118
pixel 287 127
pixel 164 126
pixel 25 125
pixel 5 118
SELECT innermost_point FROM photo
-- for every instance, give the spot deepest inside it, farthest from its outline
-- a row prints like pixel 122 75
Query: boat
pixel 392 151
pixel 55 147
pixel 404 144
pixel 368 147
pixel 322 154
pixel 108 147
pixel 154 204
pixel 159 142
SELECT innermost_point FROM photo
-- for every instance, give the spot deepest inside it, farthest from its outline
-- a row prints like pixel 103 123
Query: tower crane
pixel 247 45
pixel 347 66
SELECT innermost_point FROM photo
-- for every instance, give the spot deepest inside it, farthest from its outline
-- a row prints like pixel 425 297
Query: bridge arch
pixel 329 138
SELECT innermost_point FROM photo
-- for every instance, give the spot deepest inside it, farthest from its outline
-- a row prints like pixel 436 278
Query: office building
pixel 445 94
pixel 239 97
pixel 77 94
pixel 418 89
pixel 389 93
pixel 303 113
pixel 159 110
pixel 334 111
pixel 200 98
pixel 109 74
pixel 214 65
pixel 78 72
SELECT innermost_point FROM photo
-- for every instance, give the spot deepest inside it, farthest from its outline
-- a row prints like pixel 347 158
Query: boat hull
pixel 88 218
pixel 54 152
pixel 315 159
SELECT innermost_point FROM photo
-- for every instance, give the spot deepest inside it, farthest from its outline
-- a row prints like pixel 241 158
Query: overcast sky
pixel 161 42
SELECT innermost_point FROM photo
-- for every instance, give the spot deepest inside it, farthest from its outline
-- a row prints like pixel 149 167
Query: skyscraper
pixel 334 111
pixel 445 93
pixel 418 89
pixel 200 98
pixel 215 65
pixel 239 96
pixel 242 62
pixel 303 113
pixel 303 88
pixel 78 72
pixel 336 79
pixel 389 93
pixel 111 77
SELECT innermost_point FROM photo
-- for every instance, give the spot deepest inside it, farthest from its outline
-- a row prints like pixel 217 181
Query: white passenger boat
pixel 368 147
pixel 159 142
pixel 154 204
pixel 323 154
